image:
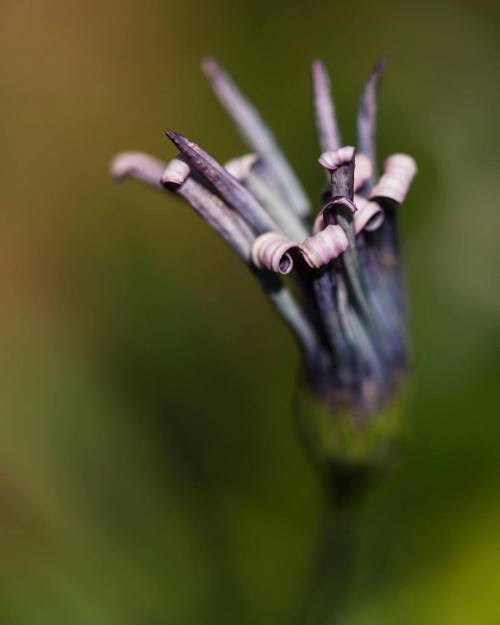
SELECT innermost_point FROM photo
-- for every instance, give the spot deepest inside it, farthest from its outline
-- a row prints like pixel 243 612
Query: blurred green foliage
pixel 149 471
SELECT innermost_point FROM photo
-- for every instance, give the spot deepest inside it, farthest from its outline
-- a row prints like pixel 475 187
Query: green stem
pixel 349 458
pixel 331 584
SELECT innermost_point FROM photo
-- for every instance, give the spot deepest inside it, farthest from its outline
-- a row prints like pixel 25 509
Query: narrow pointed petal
pixel 383 272
pixel 258 136
pixel 226 185
pixel 324 108
pixel 367 115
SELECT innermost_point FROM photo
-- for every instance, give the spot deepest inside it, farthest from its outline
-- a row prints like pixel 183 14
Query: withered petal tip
pixel 209 65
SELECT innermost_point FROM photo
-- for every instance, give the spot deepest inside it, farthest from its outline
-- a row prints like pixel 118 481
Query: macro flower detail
pixel 343 296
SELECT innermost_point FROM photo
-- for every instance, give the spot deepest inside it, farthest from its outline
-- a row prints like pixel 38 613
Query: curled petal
pixel 322 247
pixel 343 201
pixel 363 170
pixel 333 159
pixel 319 222
pixel 369 216
pixel 272 251
pixel 138 165
pixel 175 173
pixel 399 171
pixel 327 214
pixel 336 206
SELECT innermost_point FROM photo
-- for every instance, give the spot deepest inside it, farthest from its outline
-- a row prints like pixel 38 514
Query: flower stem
pixel 331 585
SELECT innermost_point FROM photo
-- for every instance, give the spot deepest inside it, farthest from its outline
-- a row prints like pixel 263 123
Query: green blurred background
pixel 149 471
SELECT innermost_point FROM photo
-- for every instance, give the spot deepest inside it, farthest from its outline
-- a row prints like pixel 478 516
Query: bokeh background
pixel 149 471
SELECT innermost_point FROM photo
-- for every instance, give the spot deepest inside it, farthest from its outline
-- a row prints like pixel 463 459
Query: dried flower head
pixel 347 310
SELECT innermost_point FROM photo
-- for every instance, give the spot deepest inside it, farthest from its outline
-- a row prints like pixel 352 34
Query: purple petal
pixel 226 185
pixel 326 121
pixel 258 135
pixel 368 112
pixel 246 169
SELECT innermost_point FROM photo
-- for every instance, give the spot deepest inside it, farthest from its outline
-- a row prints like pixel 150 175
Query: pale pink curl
pixel 333 159
pixel 369 216
pixel 363 169
pixel 399 171
pixel 176 173
pixel 273 251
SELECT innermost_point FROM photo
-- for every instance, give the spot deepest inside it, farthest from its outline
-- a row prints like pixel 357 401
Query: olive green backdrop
pixel 149 471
